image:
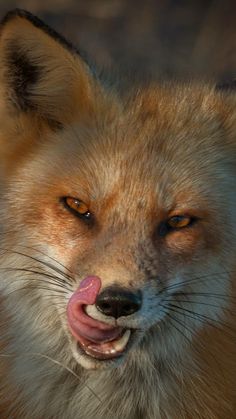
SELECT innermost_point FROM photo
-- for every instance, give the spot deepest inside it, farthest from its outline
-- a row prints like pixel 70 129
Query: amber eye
pixel 77 207
pixel 176 222
pixel 179 221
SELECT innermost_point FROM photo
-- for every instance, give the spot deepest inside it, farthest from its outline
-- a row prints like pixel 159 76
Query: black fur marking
pixel 22 76
pixel 227 86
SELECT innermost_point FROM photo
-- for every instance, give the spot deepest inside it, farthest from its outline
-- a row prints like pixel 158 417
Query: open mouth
pixel 95 338
pixel 105 350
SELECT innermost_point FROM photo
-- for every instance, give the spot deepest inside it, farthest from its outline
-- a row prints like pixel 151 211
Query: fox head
pixel 118 205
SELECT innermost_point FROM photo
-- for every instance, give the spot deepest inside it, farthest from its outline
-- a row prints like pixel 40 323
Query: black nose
pixel 117 302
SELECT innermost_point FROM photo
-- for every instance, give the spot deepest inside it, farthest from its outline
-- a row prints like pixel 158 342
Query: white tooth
pixel 120 344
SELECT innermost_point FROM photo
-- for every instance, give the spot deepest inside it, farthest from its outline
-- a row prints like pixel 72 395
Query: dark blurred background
pixel 170 38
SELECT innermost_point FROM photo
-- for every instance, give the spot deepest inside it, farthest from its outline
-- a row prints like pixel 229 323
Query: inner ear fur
pixel 41 73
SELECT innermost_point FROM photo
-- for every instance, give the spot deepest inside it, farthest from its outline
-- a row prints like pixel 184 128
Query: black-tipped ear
pixel 38 23
pixel 40 71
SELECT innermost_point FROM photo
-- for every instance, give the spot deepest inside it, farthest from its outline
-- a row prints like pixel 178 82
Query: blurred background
pixel 164 38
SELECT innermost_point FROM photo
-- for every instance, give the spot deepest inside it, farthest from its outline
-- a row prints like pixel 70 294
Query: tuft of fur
pixel 136 157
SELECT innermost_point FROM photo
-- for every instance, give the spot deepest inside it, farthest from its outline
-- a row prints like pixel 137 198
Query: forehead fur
pixel 165 140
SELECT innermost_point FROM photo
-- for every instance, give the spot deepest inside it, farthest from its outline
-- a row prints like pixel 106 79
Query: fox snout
pixel 94 336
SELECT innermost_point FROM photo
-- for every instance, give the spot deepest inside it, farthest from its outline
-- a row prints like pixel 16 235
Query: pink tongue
pixel 88 290
pixel 83 326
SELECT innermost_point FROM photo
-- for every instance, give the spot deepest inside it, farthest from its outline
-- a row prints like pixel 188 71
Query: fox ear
pixel 40 72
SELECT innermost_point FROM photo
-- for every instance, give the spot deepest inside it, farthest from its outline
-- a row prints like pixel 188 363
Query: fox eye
pixel 175 223
pixel 77 207
pixel 179 221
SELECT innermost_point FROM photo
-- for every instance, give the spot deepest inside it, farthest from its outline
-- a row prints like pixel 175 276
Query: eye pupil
pixel 179 221
pixel 176 222
pixel 78 207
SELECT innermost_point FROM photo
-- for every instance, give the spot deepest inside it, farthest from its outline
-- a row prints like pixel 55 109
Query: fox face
pixel 117 208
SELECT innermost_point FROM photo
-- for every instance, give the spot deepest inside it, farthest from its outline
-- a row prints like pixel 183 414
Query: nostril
pixel 116 302
pixel 105 307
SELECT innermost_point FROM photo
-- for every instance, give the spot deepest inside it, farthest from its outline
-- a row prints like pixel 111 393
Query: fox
pixel 117 238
